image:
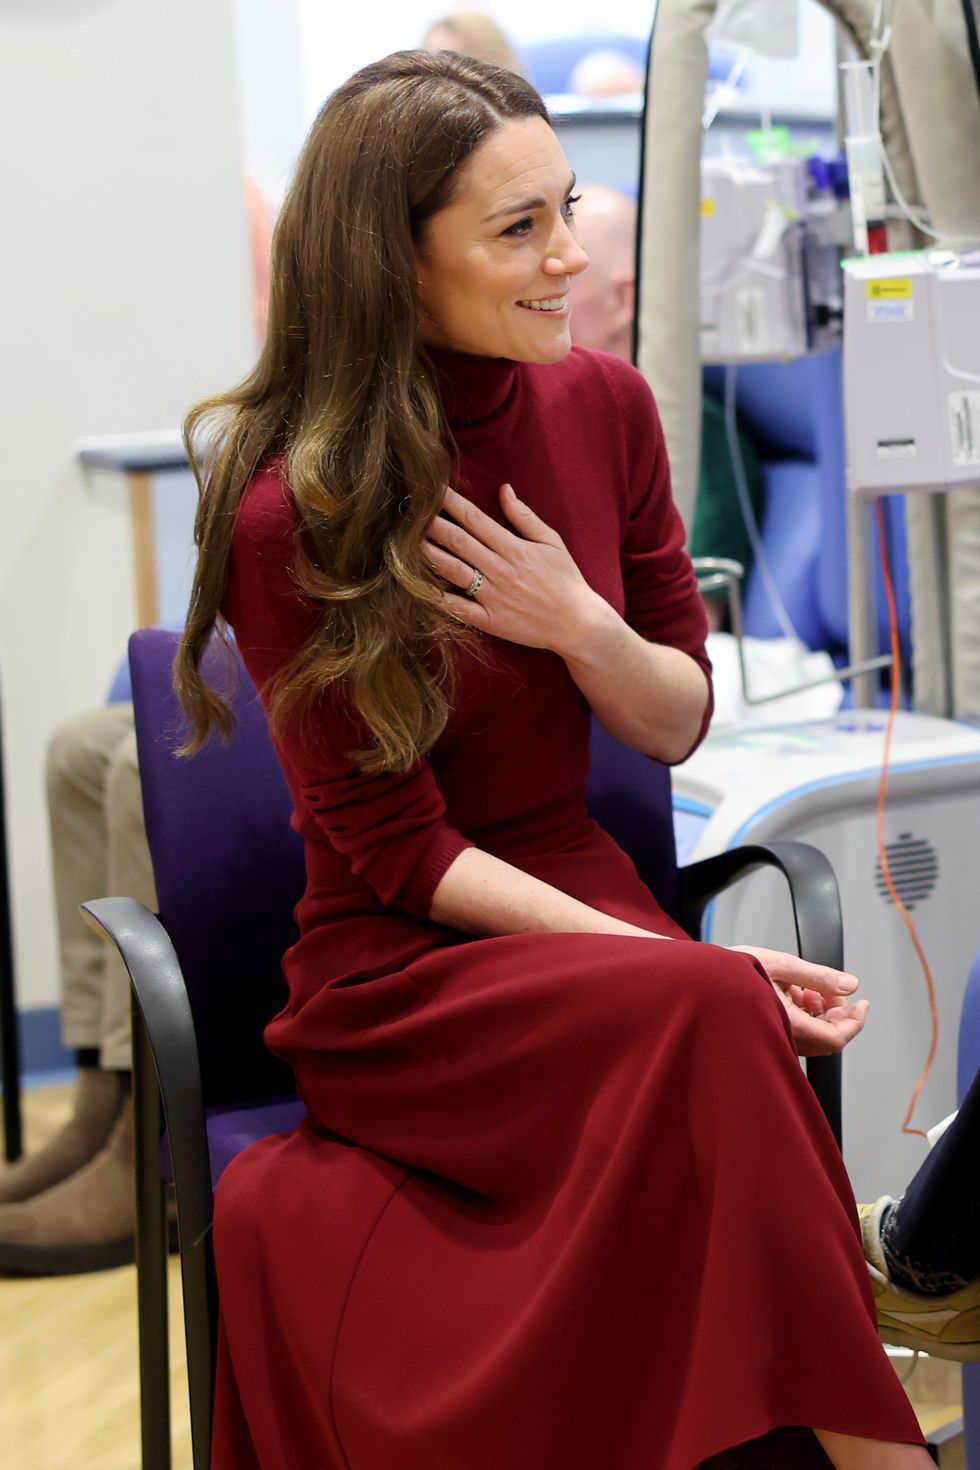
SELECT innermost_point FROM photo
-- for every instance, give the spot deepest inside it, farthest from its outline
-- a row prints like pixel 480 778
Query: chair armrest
pixel 812 889
pixel 160 995
pixel 816 914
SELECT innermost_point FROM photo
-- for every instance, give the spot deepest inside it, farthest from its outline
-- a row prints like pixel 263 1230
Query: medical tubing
pixel 880 40
pixel 748 514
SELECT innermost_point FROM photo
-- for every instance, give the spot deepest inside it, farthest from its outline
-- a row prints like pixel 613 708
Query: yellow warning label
pixel 897 289
pixel 707 208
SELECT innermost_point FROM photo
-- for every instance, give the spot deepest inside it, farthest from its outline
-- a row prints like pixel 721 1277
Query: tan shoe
pixel 946 1326
pixel 85 1223
pixel 98 1098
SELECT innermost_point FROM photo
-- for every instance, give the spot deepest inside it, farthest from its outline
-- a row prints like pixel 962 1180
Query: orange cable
pixel 896 679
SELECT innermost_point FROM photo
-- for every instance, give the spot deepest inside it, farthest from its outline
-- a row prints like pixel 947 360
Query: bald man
pixel 604 297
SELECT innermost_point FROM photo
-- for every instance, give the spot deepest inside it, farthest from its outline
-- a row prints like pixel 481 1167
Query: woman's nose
pixel 566 257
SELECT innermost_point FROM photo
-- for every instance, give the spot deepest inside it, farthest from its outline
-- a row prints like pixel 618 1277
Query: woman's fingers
pixel 528 522
pixel 823 1035
pixel 461 544
pixel 790 969
pixel 451 568
pixel 481 531
pixel 484 531
pixel 524 576
pixel 457 574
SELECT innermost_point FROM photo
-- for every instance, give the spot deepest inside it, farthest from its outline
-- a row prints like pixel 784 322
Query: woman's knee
pixel 728 992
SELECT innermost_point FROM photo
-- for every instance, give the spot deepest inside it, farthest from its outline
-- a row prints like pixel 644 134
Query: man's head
pixel 604 298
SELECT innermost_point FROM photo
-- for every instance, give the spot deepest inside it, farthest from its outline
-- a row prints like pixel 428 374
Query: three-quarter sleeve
pixel 390 826
pixel 661 599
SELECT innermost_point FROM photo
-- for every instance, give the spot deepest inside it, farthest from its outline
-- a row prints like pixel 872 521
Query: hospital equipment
pixel 818 783
pixel 753 303
pixel 912 372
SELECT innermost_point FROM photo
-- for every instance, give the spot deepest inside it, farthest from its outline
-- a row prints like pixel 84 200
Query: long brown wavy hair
pixel 344 390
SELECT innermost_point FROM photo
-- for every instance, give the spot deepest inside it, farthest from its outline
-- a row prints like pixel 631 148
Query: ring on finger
pixel 475 585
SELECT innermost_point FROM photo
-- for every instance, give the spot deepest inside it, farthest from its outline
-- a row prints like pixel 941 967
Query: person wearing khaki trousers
pixel 70 1207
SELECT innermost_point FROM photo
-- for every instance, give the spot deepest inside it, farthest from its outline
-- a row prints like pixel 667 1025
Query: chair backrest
pixel 229 867
pixel 629 795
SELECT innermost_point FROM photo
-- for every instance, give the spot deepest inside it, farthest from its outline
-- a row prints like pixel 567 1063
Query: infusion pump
pixel 772 238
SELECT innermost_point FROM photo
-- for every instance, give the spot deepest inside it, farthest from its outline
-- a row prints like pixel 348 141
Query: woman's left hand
pixel 822 1016
pixel 532 592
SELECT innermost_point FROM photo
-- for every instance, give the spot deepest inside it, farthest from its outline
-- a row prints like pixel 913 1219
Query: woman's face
pixel 495 265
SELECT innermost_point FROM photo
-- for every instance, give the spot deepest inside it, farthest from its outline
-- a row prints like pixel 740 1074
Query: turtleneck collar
pixel 473 389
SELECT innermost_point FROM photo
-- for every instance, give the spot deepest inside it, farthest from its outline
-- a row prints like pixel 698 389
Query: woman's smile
pixel 547 305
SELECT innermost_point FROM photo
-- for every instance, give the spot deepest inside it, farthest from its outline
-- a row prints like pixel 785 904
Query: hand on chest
pixel 584 509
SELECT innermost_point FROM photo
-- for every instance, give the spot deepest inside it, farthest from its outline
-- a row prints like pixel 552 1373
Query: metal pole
pixel 861 612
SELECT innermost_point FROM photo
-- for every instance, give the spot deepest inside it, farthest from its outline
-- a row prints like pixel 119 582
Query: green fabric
pixel 719 527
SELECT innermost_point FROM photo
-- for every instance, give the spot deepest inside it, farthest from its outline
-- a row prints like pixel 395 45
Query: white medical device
pixel 818 783
pixel 753 304
pixel 912 372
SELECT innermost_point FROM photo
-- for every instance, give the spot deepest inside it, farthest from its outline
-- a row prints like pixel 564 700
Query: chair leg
pixel 9 1037
pixel 200 1321
pixel 824 1075
pixel 151 1259
pixel 10 1069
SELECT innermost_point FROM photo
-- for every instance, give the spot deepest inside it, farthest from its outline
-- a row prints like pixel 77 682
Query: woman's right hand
pixel 822 1015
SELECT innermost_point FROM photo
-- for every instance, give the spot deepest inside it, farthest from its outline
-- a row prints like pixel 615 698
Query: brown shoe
pixel 98 1098
pixel 85 1223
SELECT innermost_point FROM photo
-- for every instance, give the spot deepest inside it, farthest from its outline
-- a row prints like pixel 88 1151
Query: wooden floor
pixel 69 1397
pixel 68 1364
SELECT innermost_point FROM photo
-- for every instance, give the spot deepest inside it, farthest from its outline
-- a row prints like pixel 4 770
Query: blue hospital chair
pixel 793 411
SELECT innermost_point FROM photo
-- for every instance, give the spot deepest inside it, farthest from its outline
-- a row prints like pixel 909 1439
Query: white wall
pixel 124 294
pixel 334 48
pixel 274 112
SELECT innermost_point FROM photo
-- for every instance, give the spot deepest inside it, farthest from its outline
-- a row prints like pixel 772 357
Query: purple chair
pixel 207 975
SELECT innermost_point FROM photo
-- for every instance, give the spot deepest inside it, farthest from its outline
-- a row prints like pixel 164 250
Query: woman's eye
pixel 525 226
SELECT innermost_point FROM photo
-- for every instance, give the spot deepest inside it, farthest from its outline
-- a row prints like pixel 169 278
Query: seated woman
pixel 610 1226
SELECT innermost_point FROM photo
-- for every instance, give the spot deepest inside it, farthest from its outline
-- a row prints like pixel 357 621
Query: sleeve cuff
pixel 416 895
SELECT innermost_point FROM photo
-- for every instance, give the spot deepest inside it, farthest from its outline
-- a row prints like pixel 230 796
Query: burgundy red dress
pixel 564 1201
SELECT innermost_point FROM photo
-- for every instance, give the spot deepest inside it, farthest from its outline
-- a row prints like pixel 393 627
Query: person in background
pixel 604 297
pixel 472 33
pixel 607 73
pixel 71 1206
pixel 923 1249
pixel 260 222
pixel 603 310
